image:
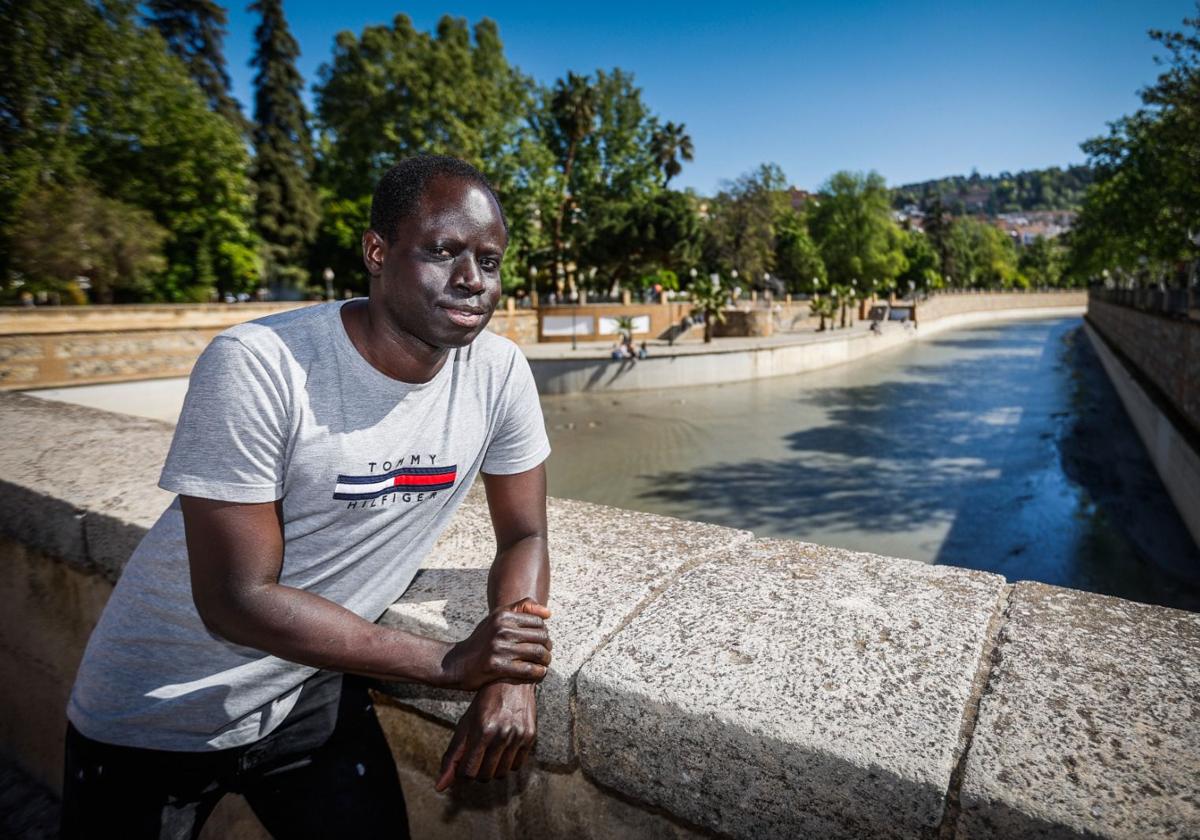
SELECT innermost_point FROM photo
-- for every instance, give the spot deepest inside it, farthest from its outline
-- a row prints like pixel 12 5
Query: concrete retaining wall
pixel 1177 463
pixel 1164 350
pixel 705 682
pixel 711 364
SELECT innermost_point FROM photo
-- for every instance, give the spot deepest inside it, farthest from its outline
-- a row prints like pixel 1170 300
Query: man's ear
pixel 374 249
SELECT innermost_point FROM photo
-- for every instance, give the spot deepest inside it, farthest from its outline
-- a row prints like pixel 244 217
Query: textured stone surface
pixel 791 690
pixel 605 564
pixel 79 484
pixel 1091 722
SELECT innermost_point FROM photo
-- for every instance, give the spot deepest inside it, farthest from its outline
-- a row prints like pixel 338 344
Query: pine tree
pixel 194 30
pixel 286 209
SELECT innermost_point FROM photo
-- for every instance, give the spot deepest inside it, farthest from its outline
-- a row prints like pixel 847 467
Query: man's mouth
pixel 465 316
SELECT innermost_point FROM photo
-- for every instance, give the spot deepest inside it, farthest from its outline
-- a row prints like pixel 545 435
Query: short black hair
pixel 401 188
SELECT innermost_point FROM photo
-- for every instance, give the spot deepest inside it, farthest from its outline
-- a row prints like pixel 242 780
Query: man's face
pixel 439 279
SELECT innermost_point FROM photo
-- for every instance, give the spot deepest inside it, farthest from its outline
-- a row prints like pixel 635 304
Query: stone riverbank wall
pixel 705 683
pixel 737 361
pixel 1153 362
pixel 83 345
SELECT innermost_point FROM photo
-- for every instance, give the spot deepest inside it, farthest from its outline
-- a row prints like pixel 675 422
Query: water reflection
pixel 1001 448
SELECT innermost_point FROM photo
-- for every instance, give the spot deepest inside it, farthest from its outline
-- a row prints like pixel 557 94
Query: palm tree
pixel 573 107
pixel 822 307
pixel 709 300
pixel 668 143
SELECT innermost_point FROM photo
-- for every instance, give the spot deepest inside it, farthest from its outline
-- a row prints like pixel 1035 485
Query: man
pixel 319 454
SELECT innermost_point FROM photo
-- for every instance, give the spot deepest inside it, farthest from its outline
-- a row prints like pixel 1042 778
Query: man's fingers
pixel 519 669
pixel 493 756
pixel 528 605
pixel 477 746
pixel 450 760
pixel 520 754
pixel 509 759
pixel 514 618
pixel 537 654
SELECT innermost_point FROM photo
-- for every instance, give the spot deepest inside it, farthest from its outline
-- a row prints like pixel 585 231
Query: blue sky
pixel 914 90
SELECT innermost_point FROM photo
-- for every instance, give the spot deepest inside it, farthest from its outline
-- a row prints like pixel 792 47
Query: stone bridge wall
pixel 56 346
pixel 705 682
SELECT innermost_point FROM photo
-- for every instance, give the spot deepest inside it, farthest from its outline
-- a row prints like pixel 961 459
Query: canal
pixel 1002 448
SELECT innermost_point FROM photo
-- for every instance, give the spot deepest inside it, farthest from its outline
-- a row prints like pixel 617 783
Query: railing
pixel 1171 302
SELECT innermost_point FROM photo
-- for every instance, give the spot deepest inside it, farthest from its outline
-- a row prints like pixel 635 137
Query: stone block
pixel 605 563
pixel 78 483
pixel 1089 724
pixel 790 690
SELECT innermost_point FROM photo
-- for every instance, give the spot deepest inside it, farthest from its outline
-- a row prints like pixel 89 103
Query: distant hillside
pixel 1038 189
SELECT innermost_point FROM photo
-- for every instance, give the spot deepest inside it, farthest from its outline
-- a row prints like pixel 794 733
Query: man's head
pixel 400 189
pixel 433 250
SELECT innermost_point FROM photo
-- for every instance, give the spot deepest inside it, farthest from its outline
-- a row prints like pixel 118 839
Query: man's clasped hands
pixel 502 661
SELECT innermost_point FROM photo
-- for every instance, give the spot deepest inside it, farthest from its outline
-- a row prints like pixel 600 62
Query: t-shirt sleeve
pixel 230 441
pixel 520 441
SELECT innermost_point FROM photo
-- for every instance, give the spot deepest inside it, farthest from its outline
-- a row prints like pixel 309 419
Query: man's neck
pixel 391 351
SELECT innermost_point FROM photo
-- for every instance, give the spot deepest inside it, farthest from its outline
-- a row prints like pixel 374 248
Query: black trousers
pixel 326 771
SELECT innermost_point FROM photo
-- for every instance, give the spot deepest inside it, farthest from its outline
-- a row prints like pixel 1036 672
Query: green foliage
pixel 922 264
pixel 1141 215
pixel 65 233
pixel 193 31
pixel 670 144
pixel 1042 262
pixel 853 227
pixel 709 299
pixel 797 259
pixel 140 131
pixel 394 92
pixel 285 211
pixel 983 255
pixel 626 239
pixel 1042 189
pixel 741 224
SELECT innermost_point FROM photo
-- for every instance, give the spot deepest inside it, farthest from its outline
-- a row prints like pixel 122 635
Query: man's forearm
pixel 306 628
pixel 521 570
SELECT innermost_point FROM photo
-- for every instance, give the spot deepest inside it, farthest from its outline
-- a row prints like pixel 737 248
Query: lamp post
pixel 328 275
pixel 574 312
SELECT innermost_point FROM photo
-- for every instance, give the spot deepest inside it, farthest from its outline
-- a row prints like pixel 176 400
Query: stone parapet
pixel 704 683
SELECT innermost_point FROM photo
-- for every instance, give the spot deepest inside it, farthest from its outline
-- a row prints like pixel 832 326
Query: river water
pixel 1001 448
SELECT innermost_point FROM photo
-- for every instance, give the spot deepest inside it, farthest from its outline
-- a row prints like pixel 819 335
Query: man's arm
pixel 498 730
pixel 235 553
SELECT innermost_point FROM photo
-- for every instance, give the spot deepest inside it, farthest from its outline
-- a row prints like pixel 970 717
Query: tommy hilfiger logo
pixel 407 481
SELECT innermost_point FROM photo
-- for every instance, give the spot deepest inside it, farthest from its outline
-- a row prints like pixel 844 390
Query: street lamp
pixel 328 275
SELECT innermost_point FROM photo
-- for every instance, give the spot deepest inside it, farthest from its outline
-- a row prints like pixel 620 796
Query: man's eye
pixel 439 251
pixel 489 264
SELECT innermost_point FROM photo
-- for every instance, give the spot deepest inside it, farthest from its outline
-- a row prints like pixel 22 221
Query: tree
pixel 1142 212
pixel 286 212
pixel 853 227
pixel 797 259
pixel 983 255
pixel 741 226
pixel 921 264
pixel 573 111
pixel 141 132
pixel 627 239
pixel 67 233
pixel 193 31
pixel 670 143
pixel 709 300
pixel 1042 262
pixel 392 92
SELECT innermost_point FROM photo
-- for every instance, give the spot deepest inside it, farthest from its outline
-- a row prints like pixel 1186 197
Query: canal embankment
pixel 705 683
pixel 1153 361
pixel 560 370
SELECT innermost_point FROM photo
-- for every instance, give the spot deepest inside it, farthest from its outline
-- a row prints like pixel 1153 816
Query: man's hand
pixel 512 643
pixel 494 736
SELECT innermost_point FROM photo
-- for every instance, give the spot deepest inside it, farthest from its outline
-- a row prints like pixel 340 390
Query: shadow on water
pixel 1018 446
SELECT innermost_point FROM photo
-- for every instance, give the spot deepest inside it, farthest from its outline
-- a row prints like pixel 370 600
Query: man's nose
pixel 468 275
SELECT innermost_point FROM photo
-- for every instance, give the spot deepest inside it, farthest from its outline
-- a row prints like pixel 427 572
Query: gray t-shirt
pixel 369 471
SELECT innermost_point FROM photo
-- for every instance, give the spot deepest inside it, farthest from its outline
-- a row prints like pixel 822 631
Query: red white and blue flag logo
pixel 404 480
